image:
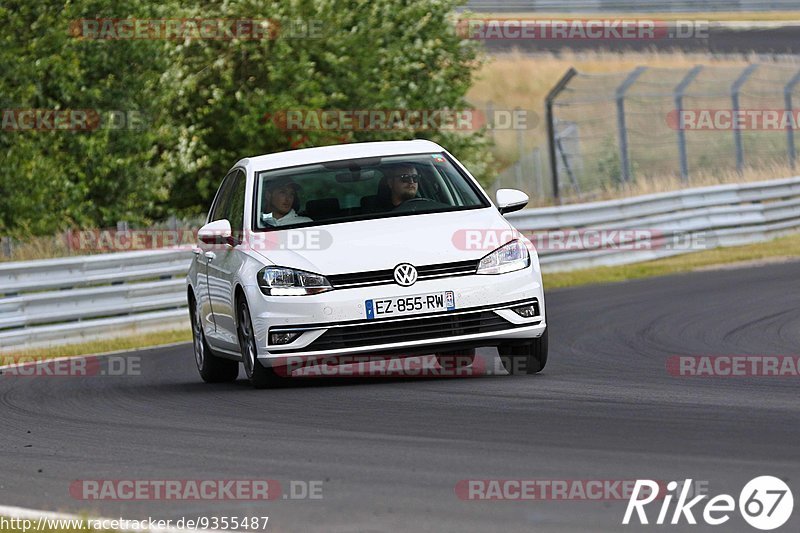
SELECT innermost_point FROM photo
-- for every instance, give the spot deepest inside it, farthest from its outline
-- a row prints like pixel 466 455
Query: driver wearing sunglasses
pixel 403 183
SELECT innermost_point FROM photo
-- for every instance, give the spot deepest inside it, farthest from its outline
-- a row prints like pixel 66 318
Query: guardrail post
pixel 7 246
pixel 737 132
pixel 680 91
pixel 787 98
pixel 551 129
pixel 625 163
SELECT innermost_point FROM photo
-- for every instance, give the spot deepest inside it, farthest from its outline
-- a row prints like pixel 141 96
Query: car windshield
pixel 358 189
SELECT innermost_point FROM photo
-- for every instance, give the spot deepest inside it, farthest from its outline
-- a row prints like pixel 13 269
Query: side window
pixel 235 211
pixel 222 201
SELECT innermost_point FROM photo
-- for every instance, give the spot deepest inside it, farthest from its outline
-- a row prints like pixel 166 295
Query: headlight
pixel 508 258
pixel 279 281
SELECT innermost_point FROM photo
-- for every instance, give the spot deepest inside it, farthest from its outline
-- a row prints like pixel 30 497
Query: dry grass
pixel 659 184
pixel 518 80
pixel 781 249
pixel 116 344
pixel 38 248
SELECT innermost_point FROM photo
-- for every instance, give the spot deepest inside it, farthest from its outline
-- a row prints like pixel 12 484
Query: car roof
pixel 323 154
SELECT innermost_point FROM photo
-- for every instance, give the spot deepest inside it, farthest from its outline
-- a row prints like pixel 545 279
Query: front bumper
pixel 334 323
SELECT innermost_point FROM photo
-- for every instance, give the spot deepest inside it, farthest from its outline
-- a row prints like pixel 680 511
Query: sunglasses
pixel 409 178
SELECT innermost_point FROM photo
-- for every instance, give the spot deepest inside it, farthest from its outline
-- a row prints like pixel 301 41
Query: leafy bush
pixel 207 103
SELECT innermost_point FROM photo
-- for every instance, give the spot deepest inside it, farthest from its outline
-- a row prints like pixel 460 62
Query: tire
pixel 260 377
pixel 529 358
pixel 212 369
pixel 455 359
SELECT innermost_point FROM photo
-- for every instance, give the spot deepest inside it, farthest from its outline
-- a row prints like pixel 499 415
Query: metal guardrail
pixel 705 218
pixel 83 298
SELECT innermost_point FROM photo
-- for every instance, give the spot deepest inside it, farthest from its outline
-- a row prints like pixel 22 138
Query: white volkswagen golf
pixel 386 248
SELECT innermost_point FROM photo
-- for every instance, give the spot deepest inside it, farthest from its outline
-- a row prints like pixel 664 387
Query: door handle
pixel 210 256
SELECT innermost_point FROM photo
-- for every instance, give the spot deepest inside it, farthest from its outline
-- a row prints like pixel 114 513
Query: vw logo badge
pixel 405 274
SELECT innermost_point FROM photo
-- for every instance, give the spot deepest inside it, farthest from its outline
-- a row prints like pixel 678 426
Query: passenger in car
pixel 281 197
pixel 400 184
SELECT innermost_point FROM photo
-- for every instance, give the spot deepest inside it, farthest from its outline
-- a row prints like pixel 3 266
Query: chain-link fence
pixel 608 131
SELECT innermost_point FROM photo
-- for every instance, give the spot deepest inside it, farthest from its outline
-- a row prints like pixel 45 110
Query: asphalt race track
pixel 390 451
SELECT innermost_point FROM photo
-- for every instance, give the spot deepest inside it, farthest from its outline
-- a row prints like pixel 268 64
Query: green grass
pixel 778 249
pixel 116 344
pixel 781 248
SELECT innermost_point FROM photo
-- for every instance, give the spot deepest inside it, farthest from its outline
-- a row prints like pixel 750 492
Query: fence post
pixel 625 162
pixel 490 118
pixel 737 132
pixel 8 246
pixel 537 163
pixel 551 129
pixel 565 161
pixel 680 91
pixel 521 151
pixel 787 98
pixel 67 236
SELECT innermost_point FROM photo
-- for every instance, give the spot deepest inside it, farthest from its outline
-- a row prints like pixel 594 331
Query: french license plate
pixel 410 305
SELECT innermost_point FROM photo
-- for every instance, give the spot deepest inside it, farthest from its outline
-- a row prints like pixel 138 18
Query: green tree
pixel 328 55
pixel 203 104
pixel 54 179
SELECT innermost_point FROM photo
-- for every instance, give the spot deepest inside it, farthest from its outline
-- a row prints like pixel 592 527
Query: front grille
pixel 373 332
pixel 385 277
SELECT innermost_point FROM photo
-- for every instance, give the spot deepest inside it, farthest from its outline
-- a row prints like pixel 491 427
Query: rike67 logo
pixel 765 503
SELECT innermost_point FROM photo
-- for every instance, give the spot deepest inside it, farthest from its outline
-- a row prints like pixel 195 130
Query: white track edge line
pixel 25 513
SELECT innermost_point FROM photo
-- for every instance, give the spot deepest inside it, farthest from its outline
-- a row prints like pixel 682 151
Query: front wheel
pixel 260 377
pixel 212 369
pixel 528 358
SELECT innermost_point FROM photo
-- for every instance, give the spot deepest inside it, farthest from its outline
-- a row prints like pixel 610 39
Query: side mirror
pixel 217 232
pixel 510 200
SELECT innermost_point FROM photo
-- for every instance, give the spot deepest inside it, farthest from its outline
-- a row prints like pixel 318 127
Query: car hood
pixel 381 244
